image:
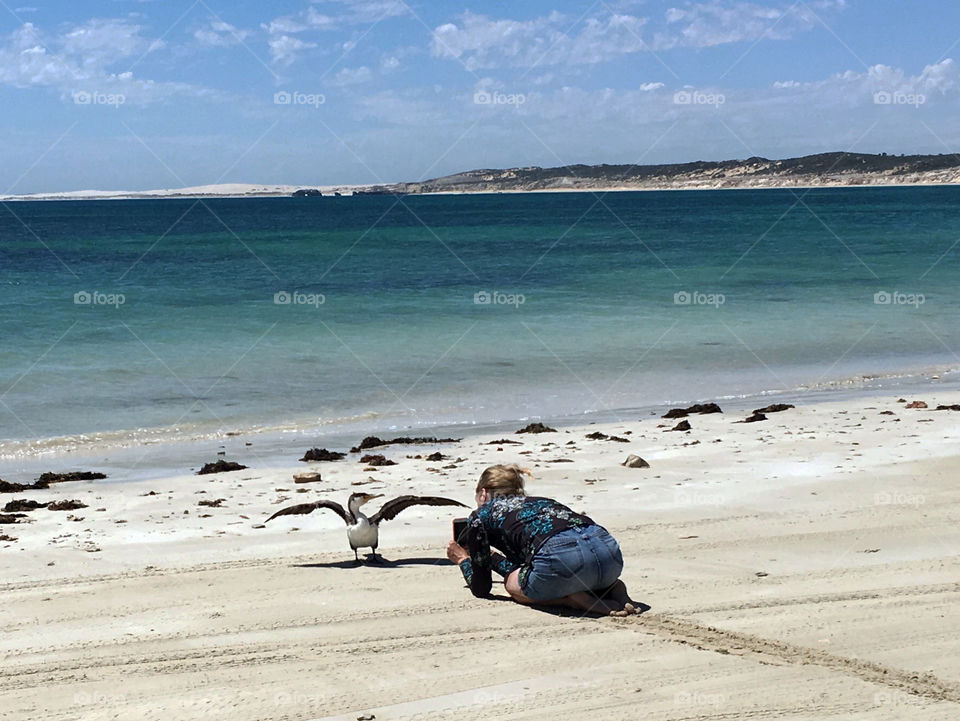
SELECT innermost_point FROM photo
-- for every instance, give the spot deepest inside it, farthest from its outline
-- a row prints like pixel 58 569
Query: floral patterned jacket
pixel 517 526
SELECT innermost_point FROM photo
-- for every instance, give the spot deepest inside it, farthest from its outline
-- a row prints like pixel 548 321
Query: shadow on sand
pixel 563 611
pixel 381 562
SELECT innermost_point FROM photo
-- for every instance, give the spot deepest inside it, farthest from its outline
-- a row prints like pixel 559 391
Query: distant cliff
pixel 825 169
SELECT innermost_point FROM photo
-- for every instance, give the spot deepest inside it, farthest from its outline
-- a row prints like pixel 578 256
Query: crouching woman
pixel 549 555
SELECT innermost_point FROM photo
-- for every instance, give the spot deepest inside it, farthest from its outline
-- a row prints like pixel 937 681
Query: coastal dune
pixel 800 567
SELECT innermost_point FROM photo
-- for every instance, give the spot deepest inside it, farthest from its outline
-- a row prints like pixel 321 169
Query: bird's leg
pixel 356 555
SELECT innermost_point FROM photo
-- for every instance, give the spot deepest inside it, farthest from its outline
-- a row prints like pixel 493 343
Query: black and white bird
pixel 364 532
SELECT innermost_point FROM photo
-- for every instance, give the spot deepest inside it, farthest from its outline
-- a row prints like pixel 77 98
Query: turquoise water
pixel 384 331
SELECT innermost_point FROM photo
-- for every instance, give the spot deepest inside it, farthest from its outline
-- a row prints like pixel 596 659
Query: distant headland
pixel 836 169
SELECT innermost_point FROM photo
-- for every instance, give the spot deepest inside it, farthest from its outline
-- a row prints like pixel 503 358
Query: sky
pixel 141 94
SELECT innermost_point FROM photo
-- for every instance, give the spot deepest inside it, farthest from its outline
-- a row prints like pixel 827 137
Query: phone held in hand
pixel 460 530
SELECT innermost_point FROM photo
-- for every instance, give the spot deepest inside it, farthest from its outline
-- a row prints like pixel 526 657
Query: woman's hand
pixel 457 553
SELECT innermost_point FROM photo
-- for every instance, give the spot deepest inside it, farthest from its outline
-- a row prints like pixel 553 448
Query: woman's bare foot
pixel 618 595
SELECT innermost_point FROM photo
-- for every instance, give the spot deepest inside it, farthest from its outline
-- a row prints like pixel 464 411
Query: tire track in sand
pixel 710 638
pixel 872 595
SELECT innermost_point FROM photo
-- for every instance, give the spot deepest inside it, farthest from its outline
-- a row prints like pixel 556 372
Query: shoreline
pixel 159 195
pixel 274 443
pixel 778 558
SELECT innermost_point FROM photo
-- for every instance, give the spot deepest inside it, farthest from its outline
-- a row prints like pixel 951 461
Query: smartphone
pixel 460 526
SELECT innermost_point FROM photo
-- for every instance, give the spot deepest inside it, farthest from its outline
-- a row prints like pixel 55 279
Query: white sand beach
pixel 219 190
pixel 802 567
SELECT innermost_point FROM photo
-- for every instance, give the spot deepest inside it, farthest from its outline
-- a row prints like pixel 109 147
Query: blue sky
pixel 137 94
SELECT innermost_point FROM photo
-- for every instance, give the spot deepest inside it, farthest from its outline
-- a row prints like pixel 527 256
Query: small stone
pixel 701 408
pixel 537 428
pixel 322 454
pixel 68 505
pixel 775 408
pixel 220 466
pixel 21 505
pixel 377 460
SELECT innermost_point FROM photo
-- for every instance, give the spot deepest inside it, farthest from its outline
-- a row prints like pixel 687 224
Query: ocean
pixel 294 322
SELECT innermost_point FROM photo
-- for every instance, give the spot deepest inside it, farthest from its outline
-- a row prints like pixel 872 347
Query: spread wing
pixel 302 508
pixel 390 509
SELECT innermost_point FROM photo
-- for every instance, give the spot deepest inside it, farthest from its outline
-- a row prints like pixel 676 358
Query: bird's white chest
pixel 362 534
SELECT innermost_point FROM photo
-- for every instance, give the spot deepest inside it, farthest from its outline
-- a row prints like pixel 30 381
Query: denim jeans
pixel 577 559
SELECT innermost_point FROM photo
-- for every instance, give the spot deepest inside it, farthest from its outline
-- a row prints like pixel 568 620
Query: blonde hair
pixel 503 480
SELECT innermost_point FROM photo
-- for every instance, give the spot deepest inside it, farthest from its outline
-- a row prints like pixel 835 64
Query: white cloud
pixel 337 14
pixel 483 42
pixel 311 19
pixel 353 76
pixel 935 80
pixel 94 56
pixel 220 34
pixel 284 48
pixel 25 62
pixel 370 11
pixel 85 52
pixel 98 43
pixel 282 25
pixel 716 22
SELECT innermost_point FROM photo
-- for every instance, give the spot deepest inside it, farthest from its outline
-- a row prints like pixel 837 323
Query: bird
pixel 364 532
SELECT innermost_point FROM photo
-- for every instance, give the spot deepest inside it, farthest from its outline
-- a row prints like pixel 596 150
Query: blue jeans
pixel 577 559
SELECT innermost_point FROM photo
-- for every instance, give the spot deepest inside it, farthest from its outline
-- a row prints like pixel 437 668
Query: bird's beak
pixel 372 496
